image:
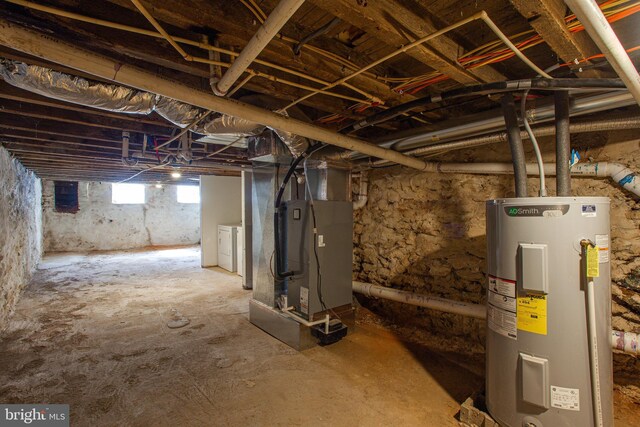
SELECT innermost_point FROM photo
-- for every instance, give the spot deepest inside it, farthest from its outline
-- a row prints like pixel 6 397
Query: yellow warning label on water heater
pixel 532 313
pixel 593 261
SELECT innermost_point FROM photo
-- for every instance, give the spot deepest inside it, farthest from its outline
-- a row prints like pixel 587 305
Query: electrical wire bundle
pixel 494 52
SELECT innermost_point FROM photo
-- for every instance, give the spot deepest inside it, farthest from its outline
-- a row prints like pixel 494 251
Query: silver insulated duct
pixel 120 99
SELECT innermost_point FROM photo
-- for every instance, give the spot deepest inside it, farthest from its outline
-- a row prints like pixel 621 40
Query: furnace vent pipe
pixel 563 144
pixel 603 35
pixel 515 143
pixel 271 26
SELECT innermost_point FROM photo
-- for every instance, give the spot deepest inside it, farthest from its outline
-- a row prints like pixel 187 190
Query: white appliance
pixel 227 247
pixel 240 251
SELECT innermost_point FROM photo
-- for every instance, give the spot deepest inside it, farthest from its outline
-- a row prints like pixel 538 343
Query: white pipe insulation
pixel 477 311
pixel 619 173
pixel 271 26
pixel 603 35
pixel 627 342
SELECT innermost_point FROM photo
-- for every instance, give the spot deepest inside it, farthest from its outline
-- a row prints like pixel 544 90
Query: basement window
pixel 127 194
pixel 188 194
pixel 66 196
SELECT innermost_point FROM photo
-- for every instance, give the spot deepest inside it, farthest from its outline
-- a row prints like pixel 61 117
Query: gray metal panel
pixel 557 222
pixel 330 184
pixel 247 224
pixel 335 228
pixel 280 326
pixel 534 380
pixel 533 271
pixel 262 199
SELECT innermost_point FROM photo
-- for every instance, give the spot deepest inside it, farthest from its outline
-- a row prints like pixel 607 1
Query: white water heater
pixel 539 372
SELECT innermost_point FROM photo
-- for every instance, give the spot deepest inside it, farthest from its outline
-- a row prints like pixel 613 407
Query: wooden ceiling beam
pixel 393 23
pixel 234 27
pixel 547 18
pixel 40 127
pixel 75 118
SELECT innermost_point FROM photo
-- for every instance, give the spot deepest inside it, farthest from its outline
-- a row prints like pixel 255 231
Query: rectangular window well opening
pixel 127 194
pixel 188 194
pixel 66 196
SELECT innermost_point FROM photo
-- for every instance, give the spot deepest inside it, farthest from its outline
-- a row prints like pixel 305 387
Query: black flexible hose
pixel 277 215
pixel 563 144
pixel 483 89
pixel 515 143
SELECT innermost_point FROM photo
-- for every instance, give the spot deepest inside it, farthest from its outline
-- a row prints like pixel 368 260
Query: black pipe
pixel 279 213
pixel 515 143
pixel 317 33
pixel 563 144
pixel 483 89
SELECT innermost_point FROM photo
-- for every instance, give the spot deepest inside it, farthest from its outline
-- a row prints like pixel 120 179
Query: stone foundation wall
pixel 20 230
pixel 101 225
pixel 425 232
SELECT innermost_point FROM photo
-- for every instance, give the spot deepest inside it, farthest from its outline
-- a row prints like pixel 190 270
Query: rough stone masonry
pixel 20 230
pixel 425 233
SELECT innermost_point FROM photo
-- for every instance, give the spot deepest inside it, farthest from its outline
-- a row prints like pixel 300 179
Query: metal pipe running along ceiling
pixel 45 47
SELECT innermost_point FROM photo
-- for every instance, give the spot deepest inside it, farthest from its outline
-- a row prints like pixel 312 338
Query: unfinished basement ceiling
pixel 58 139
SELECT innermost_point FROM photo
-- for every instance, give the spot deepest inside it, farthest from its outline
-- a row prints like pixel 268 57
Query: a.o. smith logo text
pixel 537 210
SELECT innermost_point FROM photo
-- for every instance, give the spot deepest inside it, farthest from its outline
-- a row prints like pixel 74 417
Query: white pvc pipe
pixel 619 173
pixel 325 321
pixel 625 341
pixel 362 192
pixel 477 311
pixel 594 368
pixel 271 26
pixel 603 35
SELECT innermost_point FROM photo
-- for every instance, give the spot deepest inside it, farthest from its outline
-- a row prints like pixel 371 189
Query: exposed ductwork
pixel 120 99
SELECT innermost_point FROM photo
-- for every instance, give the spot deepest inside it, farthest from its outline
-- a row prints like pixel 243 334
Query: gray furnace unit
pixel 321 262
pixel 539 335
pixel 302 247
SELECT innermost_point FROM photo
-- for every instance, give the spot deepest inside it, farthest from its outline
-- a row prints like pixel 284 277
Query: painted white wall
pixel 101 225
pixel 220 203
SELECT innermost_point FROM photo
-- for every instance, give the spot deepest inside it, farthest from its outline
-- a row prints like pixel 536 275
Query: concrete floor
pixel 91 331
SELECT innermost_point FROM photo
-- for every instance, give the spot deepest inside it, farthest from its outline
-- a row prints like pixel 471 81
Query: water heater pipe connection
pixel 593 341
